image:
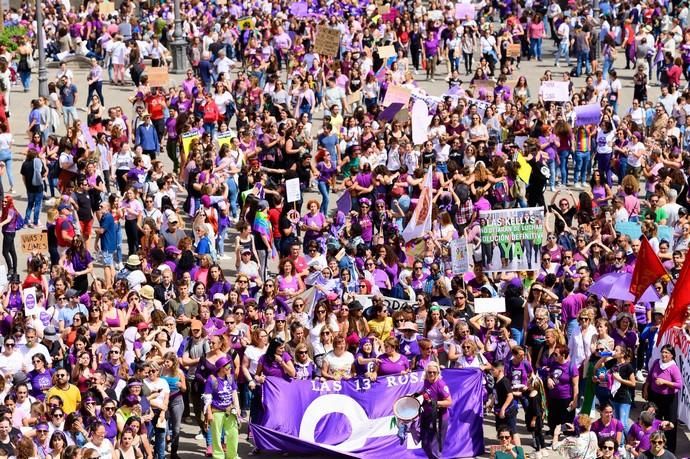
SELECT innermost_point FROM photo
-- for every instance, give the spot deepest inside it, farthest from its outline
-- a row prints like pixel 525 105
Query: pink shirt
pixel 536 30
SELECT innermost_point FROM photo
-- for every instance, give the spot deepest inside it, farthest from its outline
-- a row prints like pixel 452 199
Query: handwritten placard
pixel 397 94
pixel 514 50
pixel 386 51
pixel 384 9
pixel 489 305
pixel 158 76
pixel 555 91
pixel 34 242
pixel 106 7
pixel 354 98
pixel 327 41
pixel 292 189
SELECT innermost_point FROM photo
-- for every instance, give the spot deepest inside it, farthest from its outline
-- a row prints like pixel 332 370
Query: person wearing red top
pixel 211 115
pixel 674 72
pixel 629 41
pixel 155 105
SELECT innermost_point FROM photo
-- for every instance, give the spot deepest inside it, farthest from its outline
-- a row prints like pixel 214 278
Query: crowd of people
pixel 225 280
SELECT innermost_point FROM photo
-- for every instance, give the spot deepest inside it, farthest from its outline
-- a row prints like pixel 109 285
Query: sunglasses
pixel 301 352
pixel 608 448
pixel 657 442
pixel 503 437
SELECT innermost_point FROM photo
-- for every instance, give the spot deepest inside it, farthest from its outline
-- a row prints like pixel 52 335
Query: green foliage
pixel 10 35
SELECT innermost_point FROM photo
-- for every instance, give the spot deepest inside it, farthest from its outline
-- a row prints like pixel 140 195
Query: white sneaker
pixel 199 436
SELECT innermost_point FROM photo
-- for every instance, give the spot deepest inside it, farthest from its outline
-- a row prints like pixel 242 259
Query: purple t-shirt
pixel 638 433
pixel 572 305
pixel 221 390
pixel 274 368
pixel 438 390
pixel 562 374
pixel 388 367
pixel 518 374
pixel 368 367
pixel 409 348
pixel 607 431
pixel 629 340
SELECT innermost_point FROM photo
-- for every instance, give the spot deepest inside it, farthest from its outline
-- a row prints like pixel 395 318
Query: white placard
pixel 292 190
pixel 30 301
pixel 555 91
pixel 485 305
pixel 459 258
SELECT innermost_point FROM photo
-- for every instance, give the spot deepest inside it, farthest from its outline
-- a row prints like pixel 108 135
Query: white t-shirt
pixel 105 450
pixel 160 385
pixel 253 353
pixel 5 141
pixel 342 365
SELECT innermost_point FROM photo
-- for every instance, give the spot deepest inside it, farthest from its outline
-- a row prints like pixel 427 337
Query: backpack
pixel 518 190
pixel 18 221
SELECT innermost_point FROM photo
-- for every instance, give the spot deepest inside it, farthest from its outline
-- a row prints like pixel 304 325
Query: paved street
pixel 20 103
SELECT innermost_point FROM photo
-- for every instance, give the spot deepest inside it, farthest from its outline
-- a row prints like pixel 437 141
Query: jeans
pixel 571 328
pixel 263 262
pixel 563 52
pixel 535 48
pixel 581 166
pixel 97 87
pixel 26 80
pixel 6 157
pixel 158 442
pixel 324 190
pixel 563 157
pixel 69 115
pixel 210 129
pixel 552 168
pixel 118 240
pixel 220 240
pixel 604 165
pixel 621 411
pixel 233 192
pixel 175 410
pixel 622 168
pixel 583 57
pixel 608 65
pixel 516 334
pixel 34 201
pixel 224 425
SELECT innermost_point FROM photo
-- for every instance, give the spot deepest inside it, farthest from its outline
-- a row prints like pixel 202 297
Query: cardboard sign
pixel 292 190
pixel 555 91
pixel 435 15
pixel 387 51
pixel 327 41
pixel 158 76
pixel 106 7
pixel 354 98
pixel 397 94
pixel 514 50
pixel 36 242
pixel 489 85
pixel 384 9
pixel 486 305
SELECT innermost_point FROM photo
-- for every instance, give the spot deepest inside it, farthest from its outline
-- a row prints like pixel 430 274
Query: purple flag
pixel 345 202
pixel 353 418
pixel 389 112
pixel 587 114
pixel 299 9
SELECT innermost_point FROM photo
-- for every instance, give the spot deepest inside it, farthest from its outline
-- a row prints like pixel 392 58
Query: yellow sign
pixel 187 139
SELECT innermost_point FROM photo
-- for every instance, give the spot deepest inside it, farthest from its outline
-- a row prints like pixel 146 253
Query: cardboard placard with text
pixel 158 76
pixel 106 7
pixel 514 50
pixel 386 51
pixel 327 41
pixel 34 242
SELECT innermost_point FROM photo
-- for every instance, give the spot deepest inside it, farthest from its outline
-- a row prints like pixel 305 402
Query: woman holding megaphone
pixel 434 413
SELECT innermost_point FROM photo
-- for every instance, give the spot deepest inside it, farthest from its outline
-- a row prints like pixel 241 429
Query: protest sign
pixel 292 190
pixel 246 22
pixel 392 304
pixel 389 112
pixel 354 98
pixel 386 51
pixel 514 50
pixel 158 76
pixel 631 229
pixel 224 138
pixel 511 238
pixel 488 85
pixel 187 139
pixel 420 122
pixel 487 305
pixel 435 15
pixel 90 142
pixel 664 233
pixel 384 9
pixel 327 41
pixel 555 91
pixel 299 9
pixel 34 242
pixel 587 114
pixel 482 105
pixel 30 300
pixel 399 94
pixel 459 260
pixel 352 418
pixel 464 10
pixel 390 15
pixel 344 202
pixel 106 7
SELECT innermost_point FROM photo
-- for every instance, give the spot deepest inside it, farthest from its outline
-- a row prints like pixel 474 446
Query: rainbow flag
pixel 262 226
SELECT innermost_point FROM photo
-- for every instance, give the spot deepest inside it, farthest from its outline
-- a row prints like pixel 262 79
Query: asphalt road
pixel 20 105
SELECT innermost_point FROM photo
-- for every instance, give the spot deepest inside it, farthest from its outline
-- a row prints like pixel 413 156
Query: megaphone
pixel 406 408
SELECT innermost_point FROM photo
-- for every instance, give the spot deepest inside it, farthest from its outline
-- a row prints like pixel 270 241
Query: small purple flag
pixel 389 112
pixel 299 9
pixel 345 202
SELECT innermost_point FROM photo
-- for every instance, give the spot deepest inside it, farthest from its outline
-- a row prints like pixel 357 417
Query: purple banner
pixel 587 114
pixel 345 202
pixel 353 418
pixel 299 9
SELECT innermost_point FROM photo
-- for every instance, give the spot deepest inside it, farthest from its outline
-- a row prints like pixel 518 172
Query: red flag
pixel 648 269
pixel 677 309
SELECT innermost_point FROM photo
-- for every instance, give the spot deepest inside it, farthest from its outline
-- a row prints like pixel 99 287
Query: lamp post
pixel 178 45
pixel 42 69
